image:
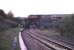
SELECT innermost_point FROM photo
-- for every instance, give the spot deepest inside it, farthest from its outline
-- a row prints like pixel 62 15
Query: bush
pixel 68 27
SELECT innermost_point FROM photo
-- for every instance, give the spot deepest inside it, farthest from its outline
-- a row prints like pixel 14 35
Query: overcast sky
pixel 24 8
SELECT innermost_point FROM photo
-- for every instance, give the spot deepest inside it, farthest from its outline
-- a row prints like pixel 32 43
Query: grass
pixel 6 38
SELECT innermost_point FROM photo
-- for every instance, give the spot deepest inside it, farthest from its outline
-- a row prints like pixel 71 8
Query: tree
pixel 10 15
pixel 68 27
pixel 2 14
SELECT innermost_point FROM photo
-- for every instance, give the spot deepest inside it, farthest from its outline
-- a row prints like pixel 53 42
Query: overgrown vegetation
pixel 7 37
pixel 8 30
pixel 68 27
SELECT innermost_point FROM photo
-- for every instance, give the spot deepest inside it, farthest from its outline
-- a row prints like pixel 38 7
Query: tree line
pixel 7 20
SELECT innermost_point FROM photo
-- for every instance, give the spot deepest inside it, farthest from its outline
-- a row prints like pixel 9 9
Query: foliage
pixel 6 20
pixel 68 27
pixel 7 37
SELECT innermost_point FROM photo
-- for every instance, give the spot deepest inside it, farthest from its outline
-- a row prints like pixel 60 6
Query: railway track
pixel 43 40
pixel 41 45
pixel 62 43
pixel 50 44
pixel 57 38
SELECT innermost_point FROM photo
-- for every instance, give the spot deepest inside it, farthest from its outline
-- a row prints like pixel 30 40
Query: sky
pixel 23 8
